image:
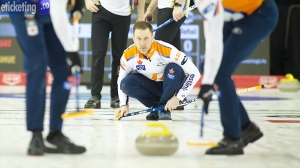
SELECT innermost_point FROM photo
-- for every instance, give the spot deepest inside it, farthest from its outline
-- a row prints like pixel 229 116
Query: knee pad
pixel 123 87
pixel 126 83
pixel 172 69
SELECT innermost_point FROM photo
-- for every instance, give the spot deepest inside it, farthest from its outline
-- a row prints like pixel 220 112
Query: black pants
pixel 104 22
pixel 171 32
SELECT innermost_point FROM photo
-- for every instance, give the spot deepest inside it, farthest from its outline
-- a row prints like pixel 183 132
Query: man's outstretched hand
pixel 122 111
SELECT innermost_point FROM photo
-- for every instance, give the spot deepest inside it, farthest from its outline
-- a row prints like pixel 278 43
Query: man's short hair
pixel 142 25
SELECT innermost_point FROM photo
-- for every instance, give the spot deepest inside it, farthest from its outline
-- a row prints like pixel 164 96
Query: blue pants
pixel 39 52
pixel 146 90
pixel 237 47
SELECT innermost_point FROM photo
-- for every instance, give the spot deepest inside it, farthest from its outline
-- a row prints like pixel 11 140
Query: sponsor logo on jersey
pixel 188 83
pixel 160 62
pixel 140 66
pixel 177 56
pixel 171 74
pixel 184 60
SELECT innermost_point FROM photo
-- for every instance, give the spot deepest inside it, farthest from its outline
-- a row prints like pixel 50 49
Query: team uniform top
pixel 61 23
pixel 153 65
pixel 243 6
pixel 215 13
pixel 118 7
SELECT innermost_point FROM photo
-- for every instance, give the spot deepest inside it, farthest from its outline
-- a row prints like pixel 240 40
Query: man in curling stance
pixel 155 73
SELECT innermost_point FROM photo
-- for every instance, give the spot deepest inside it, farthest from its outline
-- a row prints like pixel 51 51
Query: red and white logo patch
pixel 268 81
pixel 11 79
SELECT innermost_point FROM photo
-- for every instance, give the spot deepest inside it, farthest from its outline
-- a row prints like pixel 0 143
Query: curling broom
pixel 186 102
pixel 210 143
pixel 75 70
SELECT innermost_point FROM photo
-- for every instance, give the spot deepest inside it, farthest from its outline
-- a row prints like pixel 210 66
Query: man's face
pixel 143 40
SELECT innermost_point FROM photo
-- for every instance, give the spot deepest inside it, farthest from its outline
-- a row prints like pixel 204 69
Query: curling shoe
pixel 160 114
pixel 154 114
pixel 251 133
pixel 56 142
pixel 115 102
pixel 36 146
pixel 164 115
pixel 93 102
pixel 227 146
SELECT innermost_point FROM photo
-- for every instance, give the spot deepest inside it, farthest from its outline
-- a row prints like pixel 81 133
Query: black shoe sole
pixel 151 119
pixel 253 138
pixel 92 106
pixel 35 153
pixel 53 151
pixel 165 119
pixel 30 154
pixel 114 106
pixel 229 153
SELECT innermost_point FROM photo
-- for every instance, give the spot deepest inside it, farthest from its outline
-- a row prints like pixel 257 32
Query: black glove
pixel 206 94
pixel 78 7
pixel 74 62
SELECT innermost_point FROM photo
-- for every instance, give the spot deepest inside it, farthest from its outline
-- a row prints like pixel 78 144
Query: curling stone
pixel 157 143
pixel 289 84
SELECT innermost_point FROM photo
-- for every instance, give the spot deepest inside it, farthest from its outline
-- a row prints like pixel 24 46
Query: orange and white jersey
pixel 233 9
pixel 153 66
pixel 236 9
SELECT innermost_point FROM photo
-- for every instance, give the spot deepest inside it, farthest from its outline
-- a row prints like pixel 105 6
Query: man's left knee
pixel 173 70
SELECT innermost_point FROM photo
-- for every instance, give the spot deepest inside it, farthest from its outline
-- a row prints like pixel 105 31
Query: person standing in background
pixel 109 16
pixel 227 44
pixel 41 48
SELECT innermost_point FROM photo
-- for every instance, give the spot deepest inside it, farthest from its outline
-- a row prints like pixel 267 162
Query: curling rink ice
pixel 111 143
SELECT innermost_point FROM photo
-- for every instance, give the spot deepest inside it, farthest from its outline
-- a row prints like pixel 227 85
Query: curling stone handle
pixel 289 76
pixel 165 131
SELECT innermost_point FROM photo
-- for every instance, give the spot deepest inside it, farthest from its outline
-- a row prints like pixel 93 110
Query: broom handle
pixel 76 18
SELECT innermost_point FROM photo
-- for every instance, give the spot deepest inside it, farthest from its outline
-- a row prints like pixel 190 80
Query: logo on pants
pixel 171 74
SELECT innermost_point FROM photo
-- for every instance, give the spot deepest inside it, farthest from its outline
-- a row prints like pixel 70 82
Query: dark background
pixel 192 44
